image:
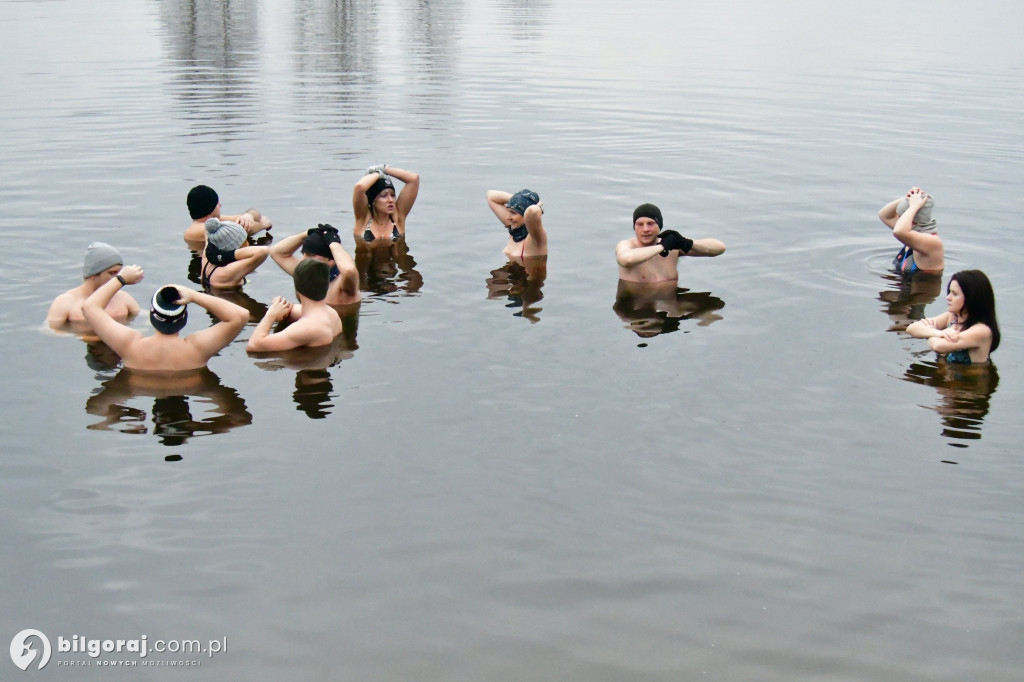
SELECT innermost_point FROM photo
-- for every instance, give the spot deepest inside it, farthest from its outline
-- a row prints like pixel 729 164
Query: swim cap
pixel 312 277
pixel 648 211
pixel 376 188
pixel 923 221
pixel 314 244
pixel 522 200
pixel 98 257
pixel 165 313
pixel 225 235
pixel 201 201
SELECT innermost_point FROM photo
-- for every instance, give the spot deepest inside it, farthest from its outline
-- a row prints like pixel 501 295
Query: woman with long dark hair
pixel 968 332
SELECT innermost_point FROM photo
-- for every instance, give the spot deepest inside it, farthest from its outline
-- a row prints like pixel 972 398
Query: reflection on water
pixel 313 387
pixel 257 310
pixel 650 310
pixel 907 296
pixel 171 413
pixel 520 284
pixel 965 393
pixel 387 268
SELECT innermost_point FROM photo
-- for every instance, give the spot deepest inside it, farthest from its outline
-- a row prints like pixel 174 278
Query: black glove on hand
pixel 672 240
pixel 329 233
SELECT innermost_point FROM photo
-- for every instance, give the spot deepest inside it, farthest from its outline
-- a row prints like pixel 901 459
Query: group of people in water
pixel 326 280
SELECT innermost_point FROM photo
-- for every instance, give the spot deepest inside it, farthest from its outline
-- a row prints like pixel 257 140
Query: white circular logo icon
pixel 22 654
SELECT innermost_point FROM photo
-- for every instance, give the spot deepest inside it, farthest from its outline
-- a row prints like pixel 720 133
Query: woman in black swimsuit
pixel 380 212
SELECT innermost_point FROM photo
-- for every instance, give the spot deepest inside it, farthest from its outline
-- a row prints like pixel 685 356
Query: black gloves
pixel 672 240
pixel 328 232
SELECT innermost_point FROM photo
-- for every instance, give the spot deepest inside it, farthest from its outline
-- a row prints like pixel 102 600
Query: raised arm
pixel 116 335
pixel 283 252
pixel 496 200
pixel 349 274
pixel 887 214
pixel 921 242
pixel 410 190
pixel 233 317
pixel 628 255
pixel 263 339
pixel 360 207
pixel 534 224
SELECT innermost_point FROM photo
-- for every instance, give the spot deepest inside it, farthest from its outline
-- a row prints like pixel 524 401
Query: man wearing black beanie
pixel 203 204
pixel 652 254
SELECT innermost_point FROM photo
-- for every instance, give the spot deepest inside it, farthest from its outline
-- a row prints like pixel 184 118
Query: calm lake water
pixel 502 474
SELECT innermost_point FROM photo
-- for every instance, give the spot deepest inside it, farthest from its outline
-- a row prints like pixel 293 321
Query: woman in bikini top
pixel 968 332
pixel 380 212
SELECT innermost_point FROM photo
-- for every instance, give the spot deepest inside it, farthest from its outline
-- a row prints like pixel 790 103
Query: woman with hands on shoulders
pixel 968 332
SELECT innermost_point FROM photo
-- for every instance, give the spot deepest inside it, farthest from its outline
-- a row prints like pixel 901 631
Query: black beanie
pixel 648 211
pixel 201 201
pixel 312 278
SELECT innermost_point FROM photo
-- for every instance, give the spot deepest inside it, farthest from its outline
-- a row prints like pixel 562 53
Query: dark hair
pixel 980 301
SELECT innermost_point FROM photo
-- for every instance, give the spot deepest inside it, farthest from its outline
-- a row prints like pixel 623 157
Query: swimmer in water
pixel 324 244
pixel 652 254
pixel 226 259
pixel 102 263
pixel 380 212
pixel 203 204
pixel 312 321
pixel 520 213
pixel 910 219
pixel 968 331
pixel 165 350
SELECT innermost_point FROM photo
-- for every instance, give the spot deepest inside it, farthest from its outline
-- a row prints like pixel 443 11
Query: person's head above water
pixel 522 200
pixel 165 313
pixel 382 184
pixel 225 235
pixel 923 221
pixel 98 257
pixel 202 201
pixel 648 211
pixel 312 278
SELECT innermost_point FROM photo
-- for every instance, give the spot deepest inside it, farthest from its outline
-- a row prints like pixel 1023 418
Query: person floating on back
pixel 166 349
pixel 380 213
pixel 226 260
pixel 520 213
pixel 101 264
pixel 652 254
pixel 203 204
pixel 313 322
pixel 910 219
pixel 968 332
pixel 324 244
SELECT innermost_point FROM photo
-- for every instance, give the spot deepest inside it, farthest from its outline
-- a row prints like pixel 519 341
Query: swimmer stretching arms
pixel 165 350
pixel 652 254
pixel 324 244
pixel 520 213
pixel 101 264
pixel 203 204
pixel 910 219
pixel 313 322
pixel 380 213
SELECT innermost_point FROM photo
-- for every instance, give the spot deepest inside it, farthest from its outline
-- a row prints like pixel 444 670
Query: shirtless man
pixel 203 204
pixel 165 350
pixel 102 263
pixel 313 322
pixel 520 213
pixel 322 243
pixel 910 219
pixel 652 255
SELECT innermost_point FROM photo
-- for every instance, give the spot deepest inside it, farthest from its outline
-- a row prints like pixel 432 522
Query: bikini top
pixel 368 232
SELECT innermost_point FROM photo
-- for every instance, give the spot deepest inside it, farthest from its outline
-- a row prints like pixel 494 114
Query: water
pixel 496 477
